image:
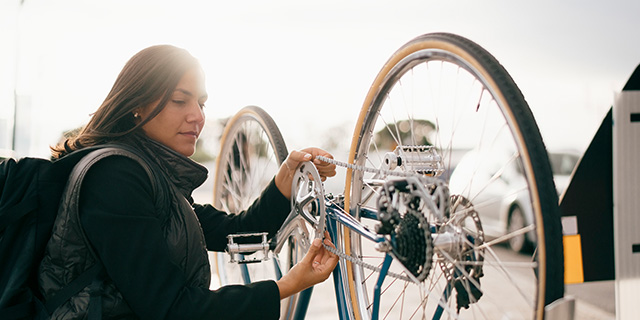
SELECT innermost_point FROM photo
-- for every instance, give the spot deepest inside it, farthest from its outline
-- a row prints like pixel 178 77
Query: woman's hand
pixel 284 177
pixel 315 267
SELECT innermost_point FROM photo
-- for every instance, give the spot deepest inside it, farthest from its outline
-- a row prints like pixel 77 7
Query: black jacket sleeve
pixel 117 213
pixel 266 214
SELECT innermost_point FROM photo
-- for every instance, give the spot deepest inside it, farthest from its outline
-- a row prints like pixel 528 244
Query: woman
pixel 152 244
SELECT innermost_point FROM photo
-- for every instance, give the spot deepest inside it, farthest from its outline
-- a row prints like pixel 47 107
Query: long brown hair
pixel 149 75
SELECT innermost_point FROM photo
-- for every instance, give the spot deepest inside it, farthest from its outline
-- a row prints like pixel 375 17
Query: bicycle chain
pixel 367 169
pixel 364 264
pixel 350 258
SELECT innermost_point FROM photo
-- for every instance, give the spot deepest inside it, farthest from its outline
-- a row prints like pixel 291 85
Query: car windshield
pixel 563 163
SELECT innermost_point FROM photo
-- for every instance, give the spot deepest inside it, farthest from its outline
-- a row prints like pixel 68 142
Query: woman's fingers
pixel 325 169
pixel 295 157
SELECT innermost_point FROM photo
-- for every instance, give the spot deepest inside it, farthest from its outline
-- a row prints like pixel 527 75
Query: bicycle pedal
pixel 237 250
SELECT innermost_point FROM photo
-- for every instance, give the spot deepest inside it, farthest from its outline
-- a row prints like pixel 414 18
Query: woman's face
pixel 179 124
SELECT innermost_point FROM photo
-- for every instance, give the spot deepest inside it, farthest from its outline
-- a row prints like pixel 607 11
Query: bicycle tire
pixel 252 149
pixel 412 64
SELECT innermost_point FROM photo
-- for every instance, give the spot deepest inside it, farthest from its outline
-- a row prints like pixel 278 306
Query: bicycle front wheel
pixel 252 150
pixel 445 94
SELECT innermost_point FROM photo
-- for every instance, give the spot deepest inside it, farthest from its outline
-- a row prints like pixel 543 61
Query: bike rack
pixel 600 206
pixel 626 186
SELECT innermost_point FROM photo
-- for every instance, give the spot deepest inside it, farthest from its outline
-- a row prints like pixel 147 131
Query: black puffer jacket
pixel 153 244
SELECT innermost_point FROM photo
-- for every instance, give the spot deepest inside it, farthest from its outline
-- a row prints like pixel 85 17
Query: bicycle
pixel 407 229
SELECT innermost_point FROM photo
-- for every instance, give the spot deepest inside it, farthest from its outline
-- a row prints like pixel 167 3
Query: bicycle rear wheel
pixel 252 150
pixel 444 92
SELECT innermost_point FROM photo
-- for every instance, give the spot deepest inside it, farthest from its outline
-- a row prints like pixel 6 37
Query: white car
pixel 499 194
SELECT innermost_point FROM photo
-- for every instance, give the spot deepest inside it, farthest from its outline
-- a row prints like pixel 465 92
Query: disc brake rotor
pixel 463 265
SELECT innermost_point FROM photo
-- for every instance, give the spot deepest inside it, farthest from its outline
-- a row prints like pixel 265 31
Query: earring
pixel 136 115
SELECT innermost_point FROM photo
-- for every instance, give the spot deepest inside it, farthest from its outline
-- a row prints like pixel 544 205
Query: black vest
pixel 68 256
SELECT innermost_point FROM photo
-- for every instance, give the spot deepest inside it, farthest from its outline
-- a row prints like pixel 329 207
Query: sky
pixel 309 64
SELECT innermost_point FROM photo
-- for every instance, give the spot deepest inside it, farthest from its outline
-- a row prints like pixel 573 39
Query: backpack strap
pixel 91 277
pixel 72 288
